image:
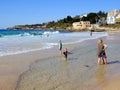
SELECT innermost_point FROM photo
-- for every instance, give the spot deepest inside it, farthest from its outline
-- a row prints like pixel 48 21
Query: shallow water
pixel 79 72
pixel 58 74
pixel 22 41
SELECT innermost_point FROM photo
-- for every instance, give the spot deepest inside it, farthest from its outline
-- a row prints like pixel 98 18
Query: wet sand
pixel 79 72
pixel 47 71
pixel 12 66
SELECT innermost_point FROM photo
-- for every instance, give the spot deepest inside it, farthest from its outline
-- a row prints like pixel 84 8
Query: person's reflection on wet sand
pixel 100 75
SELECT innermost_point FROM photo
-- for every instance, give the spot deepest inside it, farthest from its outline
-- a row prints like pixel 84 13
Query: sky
pixel 21 12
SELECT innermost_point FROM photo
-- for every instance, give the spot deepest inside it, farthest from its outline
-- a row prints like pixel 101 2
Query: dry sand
pixel 47 71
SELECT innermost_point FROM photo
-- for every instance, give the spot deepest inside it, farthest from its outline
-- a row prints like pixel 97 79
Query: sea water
pixel 23 41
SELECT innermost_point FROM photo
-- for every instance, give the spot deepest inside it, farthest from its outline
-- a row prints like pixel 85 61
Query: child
pixel 65 53
pixel 60 47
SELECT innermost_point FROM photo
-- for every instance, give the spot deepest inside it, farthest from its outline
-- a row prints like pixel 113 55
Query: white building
pixel 83 15
pixel 112 15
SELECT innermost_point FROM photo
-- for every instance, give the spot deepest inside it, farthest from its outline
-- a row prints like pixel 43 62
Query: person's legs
pixel 66 56
pixel 60 52
pixel 104 60
pixel 99 60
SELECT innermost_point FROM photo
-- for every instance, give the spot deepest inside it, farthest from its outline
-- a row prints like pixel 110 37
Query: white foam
pixel 48 32
pixel 23 51
pixel 41 43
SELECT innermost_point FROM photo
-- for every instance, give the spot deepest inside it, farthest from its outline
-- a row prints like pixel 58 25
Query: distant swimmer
pixel 60 47
pixel 101 52
pixel 47 34
pixel 91 33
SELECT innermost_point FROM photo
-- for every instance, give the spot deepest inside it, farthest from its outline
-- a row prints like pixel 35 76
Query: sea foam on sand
pixel 46 70
pixel 79 72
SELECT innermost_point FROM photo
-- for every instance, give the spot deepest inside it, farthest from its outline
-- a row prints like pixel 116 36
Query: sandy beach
pixel 47 70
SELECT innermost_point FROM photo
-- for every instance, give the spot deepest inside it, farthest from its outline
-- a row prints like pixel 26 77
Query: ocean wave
pixel 49 32
pixel 24 51
pixel 1 35
pixel 24 34
pixel 81 40
pixel 27 33
pixel 67 38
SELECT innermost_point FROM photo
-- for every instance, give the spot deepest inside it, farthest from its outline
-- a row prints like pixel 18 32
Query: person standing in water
pixel 60 47
pixel 91 33
pixel 101 52
pixel 65 53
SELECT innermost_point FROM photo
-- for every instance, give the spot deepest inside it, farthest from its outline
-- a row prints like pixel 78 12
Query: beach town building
pixel 83 15
pixel 113 17
pixel 81 25
pixel 118 19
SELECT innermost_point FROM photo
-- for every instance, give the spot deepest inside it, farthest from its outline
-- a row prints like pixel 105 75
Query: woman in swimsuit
pixel 101 52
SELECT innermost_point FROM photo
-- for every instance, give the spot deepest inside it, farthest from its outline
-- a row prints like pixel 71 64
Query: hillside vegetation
pixel 65 23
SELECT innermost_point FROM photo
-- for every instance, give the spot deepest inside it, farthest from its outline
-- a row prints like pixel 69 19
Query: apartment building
pixel 113 17
pixel 81 25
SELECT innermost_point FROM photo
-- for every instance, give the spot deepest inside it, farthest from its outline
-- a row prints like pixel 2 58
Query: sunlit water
pixel 22 41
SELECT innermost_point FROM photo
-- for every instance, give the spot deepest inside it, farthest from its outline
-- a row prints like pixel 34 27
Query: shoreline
pixel 15 65
pixel 21 63
pixel 70 47
pixel 97 29
pixel 18 64
pixel 97 76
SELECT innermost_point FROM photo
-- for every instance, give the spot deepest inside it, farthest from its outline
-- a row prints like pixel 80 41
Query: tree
pixel 101 14
pixel 68 19
pixel 92 17
pixel 84 18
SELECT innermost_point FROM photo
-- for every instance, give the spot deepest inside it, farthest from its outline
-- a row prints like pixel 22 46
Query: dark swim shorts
pixel 60 48
pixel 102 54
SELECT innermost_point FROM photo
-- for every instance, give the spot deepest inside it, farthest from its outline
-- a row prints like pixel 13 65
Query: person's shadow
pixel 114 62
